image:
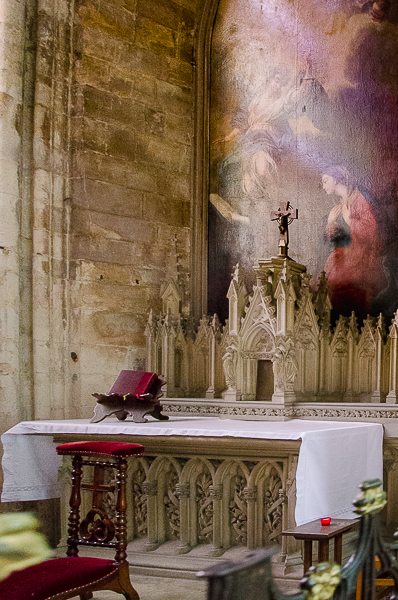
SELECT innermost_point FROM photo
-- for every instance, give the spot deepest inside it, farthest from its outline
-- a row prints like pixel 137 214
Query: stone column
pixel 322 362
pixel 16 156
pixel 350 371
pixel 150 489
pixel 249 367
pixel 376 395
pixel 251 498
pixel 210 392
pixel 217 494
pixel 184 494
pixel 50 197
pixel 285 507
pixel 168 349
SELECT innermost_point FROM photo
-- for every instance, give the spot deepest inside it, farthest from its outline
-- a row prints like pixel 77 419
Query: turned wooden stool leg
pixel 74 503
pixel 121 508
pixel 123 584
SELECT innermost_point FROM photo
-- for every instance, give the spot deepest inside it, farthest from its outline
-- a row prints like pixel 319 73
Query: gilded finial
pixel 372 497
pixel 321 581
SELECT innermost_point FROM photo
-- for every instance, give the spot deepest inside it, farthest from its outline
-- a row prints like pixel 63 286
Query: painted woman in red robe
pixel 354 268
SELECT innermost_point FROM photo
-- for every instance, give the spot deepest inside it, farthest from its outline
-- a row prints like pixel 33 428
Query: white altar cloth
pixel 334 457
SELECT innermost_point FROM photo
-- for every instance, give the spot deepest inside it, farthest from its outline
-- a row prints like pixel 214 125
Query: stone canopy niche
pixel 278 353
pixel 265 380
pixel 263 328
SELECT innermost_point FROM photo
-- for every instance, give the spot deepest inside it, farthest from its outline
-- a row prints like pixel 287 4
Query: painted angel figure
pixel 263 133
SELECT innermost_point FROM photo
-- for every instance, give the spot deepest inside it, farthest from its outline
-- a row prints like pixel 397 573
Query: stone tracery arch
pixel 195 489
pixel 258 343
pixel 162 498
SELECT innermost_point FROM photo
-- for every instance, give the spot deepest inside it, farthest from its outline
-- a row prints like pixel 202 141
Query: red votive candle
pixel 326 520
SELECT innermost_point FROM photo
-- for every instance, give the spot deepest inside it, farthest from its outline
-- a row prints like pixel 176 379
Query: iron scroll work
pixel 252 579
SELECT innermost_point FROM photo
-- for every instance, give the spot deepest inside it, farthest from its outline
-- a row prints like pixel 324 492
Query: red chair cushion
pixel 100 448
pixel 54 576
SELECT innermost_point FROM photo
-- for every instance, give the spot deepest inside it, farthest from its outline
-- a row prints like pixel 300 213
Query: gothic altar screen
pixel 304 108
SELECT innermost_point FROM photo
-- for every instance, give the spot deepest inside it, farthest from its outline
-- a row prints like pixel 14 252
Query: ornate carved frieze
pixel 315 410
pixel 258 355
pixel 219 409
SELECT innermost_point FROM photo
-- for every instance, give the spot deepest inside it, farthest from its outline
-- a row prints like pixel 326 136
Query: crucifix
pixel 284 216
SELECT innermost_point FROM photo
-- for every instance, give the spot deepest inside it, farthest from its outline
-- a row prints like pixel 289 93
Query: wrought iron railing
pixel 252 578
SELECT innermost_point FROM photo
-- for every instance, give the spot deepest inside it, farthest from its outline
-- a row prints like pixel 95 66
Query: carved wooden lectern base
pixel 134 393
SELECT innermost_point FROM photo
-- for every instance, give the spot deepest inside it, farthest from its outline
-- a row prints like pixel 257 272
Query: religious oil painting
pixel 304 109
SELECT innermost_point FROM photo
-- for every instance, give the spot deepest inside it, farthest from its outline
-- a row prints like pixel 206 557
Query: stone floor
pixel 164 574
pixel 161 588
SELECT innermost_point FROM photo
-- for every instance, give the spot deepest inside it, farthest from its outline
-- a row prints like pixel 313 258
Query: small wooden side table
pixel 314 531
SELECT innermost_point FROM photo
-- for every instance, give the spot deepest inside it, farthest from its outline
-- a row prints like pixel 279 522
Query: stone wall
pixel 132 146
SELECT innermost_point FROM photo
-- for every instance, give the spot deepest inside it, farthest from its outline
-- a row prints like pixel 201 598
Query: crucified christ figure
pixel 284 216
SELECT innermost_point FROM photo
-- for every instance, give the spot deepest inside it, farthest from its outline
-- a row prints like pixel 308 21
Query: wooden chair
pixel 384 585
pixel 71 576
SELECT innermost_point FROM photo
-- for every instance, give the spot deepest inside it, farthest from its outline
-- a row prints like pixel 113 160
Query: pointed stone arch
pixel 265 495
pixel 163 515
pixel 230 505
pixel 171 298
pixel 258 344
pixel 195 489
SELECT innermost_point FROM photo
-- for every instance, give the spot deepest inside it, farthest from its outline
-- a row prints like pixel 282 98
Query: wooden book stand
pixel 134 393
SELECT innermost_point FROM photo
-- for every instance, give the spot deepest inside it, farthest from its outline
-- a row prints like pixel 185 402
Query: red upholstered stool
pixel 63 578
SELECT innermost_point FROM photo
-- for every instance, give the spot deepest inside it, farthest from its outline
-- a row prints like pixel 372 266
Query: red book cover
pixel 135 382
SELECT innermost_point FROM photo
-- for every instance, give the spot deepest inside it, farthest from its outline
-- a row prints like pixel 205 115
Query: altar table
pixel 333 459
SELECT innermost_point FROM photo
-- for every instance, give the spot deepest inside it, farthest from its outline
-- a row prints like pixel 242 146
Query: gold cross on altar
pixel 284 216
